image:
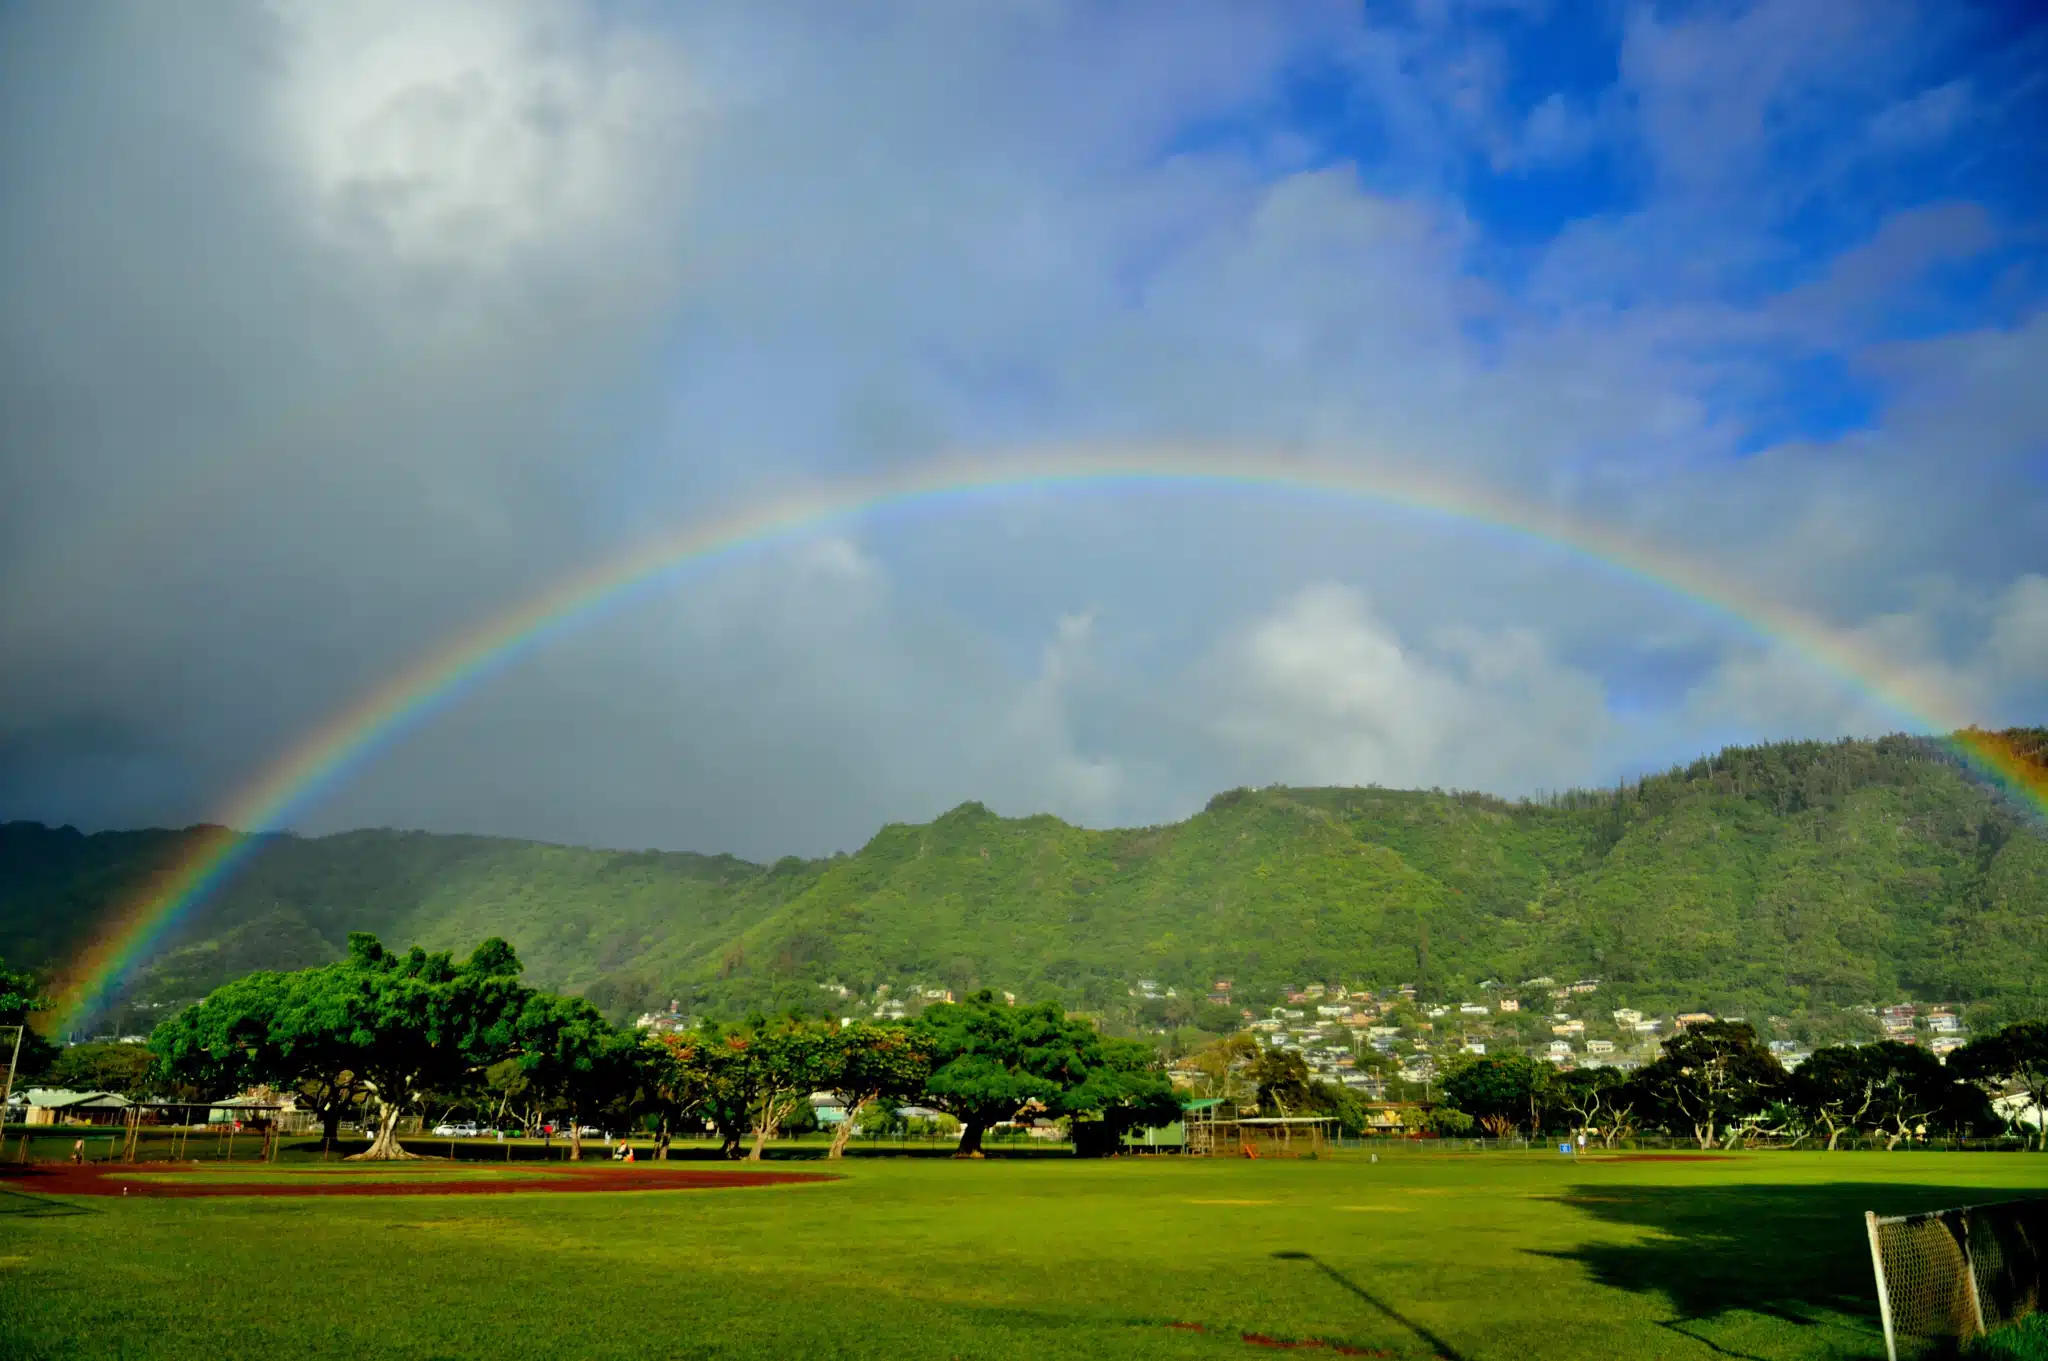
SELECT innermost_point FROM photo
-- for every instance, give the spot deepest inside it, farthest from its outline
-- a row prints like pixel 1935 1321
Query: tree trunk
pixel 330 1125
pixel 970 1139
pixel 1704 1133
pixel 1833 1136
pixel 843 1132
pixel 765 1125
pixel 384 1148
pixel 575 1140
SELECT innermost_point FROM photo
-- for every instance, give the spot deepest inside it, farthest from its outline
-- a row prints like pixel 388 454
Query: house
pixel 1546 981
pixel 1330 1013
pixel 1649 1027
pixel 1627 1016
pixel 1560 1050
pixel 2017 1110
pixel 1945 1024
pixel 1435 1012
pixel 58 1106
pixel 1941 1046
pixel 1599 1046
pixel 1510 1004
pixel 1586 985
pixel 1692 1018
pixel 1472 1009
pixel 1474 1047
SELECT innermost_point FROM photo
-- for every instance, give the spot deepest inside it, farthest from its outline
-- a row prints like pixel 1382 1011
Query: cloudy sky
pixel 331 330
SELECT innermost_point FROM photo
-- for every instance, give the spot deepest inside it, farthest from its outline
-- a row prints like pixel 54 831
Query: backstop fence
pixel 1957 1274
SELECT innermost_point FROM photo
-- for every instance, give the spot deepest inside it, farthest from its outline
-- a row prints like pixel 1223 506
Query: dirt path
pixel 116 1179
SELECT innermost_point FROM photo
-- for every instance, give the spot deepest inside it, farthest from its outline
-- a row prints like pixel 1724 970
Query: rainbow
pixel 354 735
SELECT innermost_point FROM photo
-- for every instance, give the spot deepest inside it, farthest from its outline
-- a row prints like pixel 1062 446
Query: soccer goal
pixel 1958 1273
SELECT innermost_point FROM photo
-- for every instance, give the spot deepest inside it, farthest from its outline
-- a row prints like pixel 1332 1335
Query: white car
pixel 456 1131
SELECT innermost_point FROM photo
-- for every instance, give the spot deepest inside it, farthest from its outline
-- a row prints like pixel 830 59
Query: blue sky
pixel 339 330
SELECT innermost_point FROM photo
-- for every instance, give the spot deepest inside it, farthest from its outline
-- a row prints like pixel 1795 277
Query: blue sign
pixel 1564 1148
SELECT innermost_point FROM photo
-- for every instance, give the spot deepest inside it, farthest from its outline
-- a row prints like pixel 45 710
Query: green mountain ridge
pixel 1790 877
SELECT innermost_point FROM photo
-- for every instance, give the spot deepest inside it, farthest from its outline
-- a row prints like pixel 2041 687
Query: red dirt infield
pixel 107 1179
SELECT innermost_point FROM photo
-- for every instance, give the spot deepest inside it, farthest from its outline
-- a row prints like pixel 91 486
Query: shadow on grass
pixel 21 1205
pixel 1783 1251
pixel 1442 1348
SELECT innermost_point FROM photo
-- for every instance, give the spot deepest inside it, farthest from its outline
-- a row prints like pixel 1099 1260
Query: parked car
pixel 462 1131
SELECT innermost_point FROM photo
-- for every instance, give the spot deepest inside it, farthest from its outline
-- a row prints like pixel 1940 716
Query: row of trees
pixel 400 1033
pixel 1718 1084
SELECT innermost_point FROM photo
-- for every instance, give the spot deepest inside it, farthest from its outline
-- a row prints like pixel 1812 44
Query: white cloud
pixel 1926 119
pixel 2018 644
pixel 1323 691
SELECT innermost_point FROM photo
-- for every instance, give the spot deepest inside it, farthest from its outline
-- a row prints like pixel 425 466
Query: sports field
pixel 1499 1255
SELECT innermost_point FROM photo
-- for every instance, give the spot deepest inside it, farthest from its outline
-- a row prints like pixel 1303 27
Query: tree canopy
pixel 1709 1075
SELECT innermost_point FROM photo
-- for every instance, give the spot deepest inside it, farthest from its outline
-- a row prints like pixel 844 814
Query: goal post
pixel 1958 1273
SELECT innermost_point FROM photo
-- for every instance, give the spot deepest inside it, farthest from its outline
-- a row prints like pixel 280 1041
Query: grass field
pixel 1463 1256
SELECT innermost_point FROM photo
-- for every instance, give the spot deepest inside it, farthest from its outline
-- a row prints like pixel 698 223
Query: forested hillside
pixel 1785 878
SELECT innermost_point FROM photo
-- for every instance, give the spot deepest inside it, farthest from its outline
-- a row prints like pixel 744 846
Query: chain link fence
pixel 1958 1274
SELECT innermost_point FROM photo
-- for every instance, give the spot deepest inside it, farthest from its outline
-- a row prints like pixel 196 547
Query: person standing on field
pixel 78 1151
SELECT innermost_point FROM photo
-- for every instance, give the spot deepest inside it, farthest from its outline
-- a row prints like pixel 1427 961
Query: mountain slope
pixel 1787 877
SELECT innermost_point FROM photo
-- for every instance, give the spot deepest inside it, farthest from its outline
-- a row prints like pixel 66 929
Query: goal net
pixel 1958 1273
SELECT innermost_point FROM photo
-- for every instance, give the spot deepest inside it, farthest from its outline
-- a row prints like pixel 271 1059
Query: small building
pixel 58 1106
pixel 1510 1004
pixel 1627 1016
pixel 1599 1046
pixel 1692 1018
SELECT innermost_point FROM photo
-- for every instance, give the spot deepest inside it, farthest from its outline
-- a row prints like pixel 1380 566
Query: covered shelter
pixel 1263 1136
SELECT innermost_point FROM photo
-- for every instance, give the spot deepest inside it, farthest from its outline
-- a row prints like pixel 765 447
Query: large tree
pixel 1124 1088
pixel 1709 1075
pixel 245 1032
pixel 1503 1092
pixel 2015 1059
pixel 789 1060
pixel 1834 1090
pixel 990 1059
pixel 712 1074
pixel 123 1068
pixel 872 1063
pixel 1591 1096
pixel 572 1059
pixel 402 1024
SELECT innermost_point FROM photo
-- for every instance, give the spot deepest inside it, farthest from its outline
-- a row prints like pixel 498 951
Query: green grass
pixel 1463 1256
pixel 2026 1340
